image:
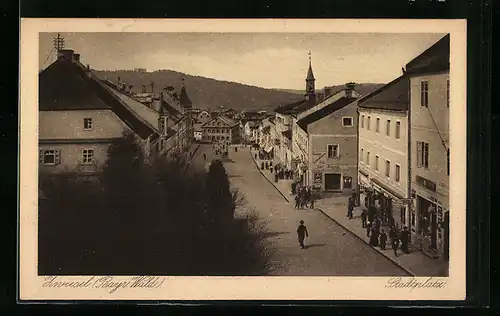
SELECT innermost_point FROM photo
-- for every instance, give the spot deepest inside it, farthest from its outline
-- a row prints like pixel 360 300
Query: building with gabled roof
pixel 430 102
pixel 221 129
pixel 383 151
pixel 80 115
pixel 324 141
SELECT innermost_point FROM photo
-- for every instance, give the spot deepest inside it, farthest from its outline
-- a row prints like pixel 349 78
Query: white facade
pixel 383 157
pixel 430 158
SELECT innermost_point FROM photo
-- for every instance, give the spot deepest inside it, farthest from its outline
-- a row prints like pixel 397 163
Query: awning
pixel 268 149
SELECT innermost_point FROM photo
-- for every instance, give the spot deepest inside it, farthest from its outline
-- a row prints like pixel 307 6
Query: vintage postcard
pixel 242 159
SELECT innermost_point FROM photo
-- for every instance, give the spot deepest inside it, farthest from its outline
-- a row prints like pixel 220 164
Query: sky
pixel 268 60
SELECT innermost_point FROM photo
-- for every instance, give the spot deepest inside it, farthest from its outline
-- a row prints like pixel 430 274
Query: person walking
pixel 302 233
pixel 395 245
pixel 204 156
pixel 383 240
pixel 363 218
pixel 312 201
pixel 297 200
pixel 368 228
pixel 350 208
pixel 405 238
pixel 392 232
pixel 374 237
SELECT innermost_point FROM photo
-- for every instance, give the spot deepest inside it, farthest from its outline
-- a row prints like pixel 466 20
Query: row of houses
pixel 81 115
pixel 391 145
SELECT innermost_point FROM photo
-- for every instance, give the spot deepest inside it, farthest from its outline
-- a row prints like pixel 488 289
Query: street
pixel 330 250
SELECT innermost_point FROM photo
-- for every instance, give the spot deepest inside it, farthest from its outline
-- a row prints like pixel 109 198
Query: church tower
pixel 310 86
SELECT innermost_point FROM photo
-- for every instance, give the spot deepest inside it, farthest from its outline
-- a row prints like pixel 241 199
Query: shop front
pixel 392 206
pixel 430 220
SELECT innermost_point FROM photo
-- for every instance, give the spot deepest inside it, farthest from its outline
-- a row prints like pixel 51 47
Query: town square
pixel 340 167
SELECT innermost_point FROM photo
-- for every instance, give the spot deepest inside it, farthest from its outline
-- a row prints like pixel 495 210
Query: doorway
pixel 332 181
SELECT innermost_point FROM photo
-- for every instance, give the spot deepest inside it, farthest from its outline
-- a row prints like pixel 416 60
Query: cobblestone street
pixel 330 249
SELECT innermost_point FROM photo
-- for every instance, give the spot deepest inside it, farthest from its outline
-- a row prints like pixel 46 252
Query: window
pixel 423 154
pixel 88 156
pixel 227 137
pixel 398 173
pixel 49 157
pixel 368 123
pixel 387 168
pixel 448 93
pixel 388 128
pixel 362 157
pixel 377 126
pixel 368 158
pixel 347 121
pixel 448 160
pixel 398 130
pixel 333 151
pixel 376 162
pixel 424 93
pixel 362 121
pixel 87 123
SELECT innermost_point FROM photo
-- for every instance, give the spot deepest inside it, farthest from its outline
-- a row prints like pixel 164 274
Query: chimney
pixel 65 53
pixel 349 88
pixel 76 58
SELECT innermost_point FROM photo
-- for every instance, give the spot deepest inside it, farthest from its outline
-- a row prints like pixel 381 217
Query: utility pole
pixel 58 42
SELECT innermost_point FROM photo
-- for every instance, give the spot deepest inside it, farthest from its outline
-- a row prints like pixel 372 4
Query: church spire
pixel 310 75
pixel 310 87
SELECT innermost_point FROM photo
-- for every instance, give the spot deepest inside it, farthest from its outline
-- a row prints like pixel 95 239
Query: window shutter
pixel 426 155
pixel 57 157
pixel 419 154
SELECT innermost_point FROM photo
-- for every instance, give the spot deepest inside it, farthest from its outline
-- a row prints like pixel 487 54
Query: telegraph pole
pixel 58 42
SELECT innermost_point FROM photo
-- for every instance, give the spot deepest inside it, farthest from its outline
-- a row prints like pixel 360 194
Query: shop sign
pixel 428 184
pixel 317 180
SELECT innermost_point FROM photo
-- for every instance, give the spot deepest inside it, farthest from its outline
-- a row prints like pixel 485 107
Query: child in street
pixel 395 245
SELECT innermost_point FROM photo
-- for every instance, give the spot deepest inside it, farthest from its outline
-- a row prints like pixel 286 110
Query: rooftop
pixel 393 96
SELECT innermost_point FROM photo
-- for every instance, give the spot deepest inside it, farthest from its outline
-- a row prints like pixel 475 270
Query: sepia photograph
pixel 244 154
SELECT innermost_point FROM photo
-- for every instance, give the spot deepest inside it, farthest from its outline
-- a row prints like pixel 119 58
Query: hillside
pixel 210 93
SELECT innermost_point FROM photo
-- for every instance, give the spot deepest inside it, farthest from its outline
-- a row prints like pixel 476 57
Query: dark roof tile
pixel 392 96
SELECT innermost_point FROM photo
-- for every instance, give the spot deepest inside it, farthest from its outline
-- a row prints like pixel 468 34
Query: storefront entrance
pixel 332 181
pixel 427 220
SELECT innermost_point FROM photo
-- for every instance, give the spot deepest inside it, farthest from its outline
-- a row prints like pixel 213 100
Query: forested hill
pixel 210 93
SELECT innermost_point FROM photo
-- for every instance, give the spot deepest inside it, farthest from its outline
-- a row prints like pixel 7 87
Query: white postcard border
pixel 34 287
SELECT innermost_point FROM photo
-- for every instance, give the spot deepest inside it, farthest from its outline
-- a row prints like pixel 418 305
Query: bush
pixel 147 219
